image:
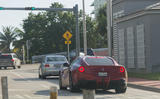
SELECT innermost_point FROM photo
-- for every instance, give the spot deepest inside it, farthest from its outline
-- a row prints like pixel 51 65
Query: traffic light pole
pixel 38 9
pixel 74 9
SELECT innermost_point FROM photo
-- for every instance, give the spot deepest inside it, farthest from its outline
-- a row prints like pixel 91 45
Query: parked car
pixel 51 65
pixel 93 72
pixel 9 60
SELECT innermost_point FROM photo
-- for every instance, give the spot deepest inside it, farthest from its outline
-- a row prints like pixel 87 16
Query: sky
pixel 14 18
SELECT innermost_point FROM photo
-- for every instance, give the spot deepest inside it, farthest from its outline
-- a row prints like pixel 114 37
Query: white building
pixel 97 5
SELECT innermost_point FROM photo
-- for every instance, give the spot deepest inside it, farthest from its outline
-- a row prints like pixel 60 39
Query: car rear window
pixel 99 61
pixel 5 57
pixel 54 59
pixel 15 56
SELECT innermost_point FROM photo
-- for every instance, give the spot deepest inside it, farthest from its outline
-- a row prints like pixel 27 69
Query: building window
pixel 121 47
pixel 130 47
pixel 140 46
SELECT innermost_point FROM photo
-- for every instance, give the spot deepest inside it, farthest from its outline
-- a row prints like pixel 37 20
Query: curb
pixel 147 88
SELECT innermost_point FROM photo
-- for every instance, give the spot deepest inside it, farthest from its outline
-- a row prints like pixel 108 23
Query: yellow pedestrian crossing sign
pixel 67 35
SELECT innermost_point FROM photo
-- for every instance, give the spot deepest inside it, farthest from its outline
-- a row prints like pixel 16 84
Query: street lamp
pixel 84 29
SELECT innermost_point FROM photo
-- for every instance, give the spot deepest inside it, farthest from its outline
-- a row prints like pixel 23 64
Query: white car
pixel 9 60
pixel 51 65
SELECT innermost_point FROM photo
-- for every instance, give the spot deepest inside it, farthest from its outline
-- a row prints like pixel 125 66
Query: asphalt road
pixel 24 84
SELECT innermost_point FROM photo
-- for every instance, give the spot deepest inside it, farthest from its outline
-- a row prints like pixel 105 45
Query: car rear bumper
pixel 103 84
pixel 51 73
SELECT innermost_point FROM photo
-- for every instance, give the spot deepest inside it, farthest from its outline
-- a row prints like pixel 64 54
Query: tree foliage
pixel 45 30
pixel 101 27
pixel 7 37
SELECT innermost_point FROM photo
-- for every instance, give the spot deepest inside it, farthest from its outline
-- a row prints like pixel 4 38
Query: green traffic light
pixel 1 8
pixel 33 8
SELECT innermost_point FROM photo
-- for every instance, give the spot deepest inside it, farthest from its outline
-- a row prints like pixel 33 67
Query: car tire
pixel 43 77
pixel 14 67
pixel 39 76
pixel 18 67
pixel 5 67
pixel 71 86
pixel 60 84
pixel 120 89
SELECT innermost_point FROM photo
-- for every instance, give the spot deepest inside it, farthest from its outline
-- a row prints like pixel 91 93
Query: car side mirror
pixel 66 65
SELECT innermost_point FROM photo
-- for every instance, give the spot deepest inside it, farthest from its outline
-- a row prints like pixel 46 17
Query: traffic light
pixel 30 8
pixel 1 8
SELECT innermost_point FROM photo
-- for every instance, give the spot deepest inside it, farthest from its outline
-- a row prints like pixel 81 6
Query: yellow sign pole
pixel 68 53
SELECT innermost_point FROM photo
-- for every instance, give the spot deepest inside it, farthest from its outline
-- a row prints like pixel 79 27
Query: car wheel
pixel 14 67
pixel 71 86
pixel 40 74
pixel 19 67
pixel 120 89
pixel 43 76
pixel 60 84
pixel 5 67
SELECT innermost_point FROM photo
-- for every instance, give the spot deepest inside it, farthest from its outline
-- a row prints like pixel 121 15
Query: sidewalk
pixel 150 85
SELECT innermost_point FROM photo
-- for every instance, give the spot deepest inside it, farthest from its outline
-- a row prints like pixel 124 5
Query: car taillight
pixel 46 65
pixel 81 69
pixel 122 69
pixel 12 60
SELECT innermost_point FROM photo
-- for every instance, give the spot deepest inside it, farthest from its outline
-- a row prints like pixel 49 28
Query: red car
pixel 93 72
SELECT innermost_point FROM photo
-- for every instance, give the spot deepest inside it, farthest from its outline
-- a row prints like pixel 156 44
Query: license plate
pixel 102 74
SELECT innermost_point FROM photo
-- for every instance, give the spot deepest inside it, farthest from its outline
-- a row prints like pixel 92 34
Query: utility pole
pixel 109 26
pixel 24 62
pixel 77 31
pixel 27 45
pixel 84 29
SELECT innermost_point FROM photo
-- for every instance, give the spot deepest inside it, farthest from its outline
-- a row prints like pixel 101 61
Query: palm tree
pixel 7 37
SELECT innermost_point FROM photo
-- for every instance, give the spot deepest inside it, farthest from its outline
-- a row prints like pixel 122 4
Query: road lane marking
pixel 19 96
pixel 29 97
pixel 20 76
pixel 44 86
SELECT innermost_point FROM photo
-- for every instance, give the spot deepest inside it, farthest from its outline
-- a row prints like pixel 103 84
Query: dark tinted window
pixel 5 57
pixel 99 61
pixel 15 56
pixel 90 52
pixel 54 59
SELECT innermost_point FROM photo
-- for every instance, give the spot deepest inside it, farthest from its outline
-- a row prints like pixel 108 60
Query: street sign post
pixel 67 35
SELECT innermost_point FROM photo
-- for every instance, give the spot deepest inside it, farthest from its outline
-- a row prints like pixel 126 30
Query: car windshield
pixel 54 59
pixel 99 61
